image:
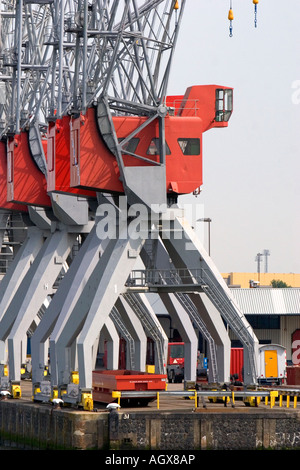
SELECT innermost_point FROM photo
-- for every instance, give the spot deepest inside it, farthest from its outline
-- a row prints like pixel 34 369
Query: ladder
pixel 145 317
pixel 192 311
pixel 231 314
pixel 190 308
pixel 116 318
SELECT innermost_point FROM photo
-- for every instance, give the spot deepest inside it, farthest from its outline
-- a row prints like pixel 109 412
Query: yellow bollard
pixel 295 401
pixel 195 397
pixel 288 401
pixel 16 391
pixel 116 394
pixel 232 397
pixel 87 401
pixel 280 401
pixel 157 397
pixel 273 395
pixel 266 401
pixel 74 377
pixel 54 393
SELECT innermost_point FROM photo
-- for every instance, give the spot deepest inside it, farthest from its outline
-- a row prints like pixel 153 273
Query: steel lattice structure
pixel 58 57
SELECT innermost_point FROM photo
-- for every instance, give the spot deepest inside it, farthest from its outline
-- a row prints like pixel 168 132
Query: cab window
pixel 154 146
pixel 131 145
pixel 189 146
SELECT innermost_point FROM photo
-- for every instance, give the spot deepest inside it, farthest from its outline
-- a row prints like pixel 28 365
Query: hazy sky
pixel 251 187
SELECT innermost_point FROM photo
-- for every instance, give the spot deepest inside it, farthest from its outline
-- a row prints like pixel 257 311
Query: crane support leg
pixel 66 296
pixel 33 290
pixel 15 275
pixel 109 278
pixel 187 252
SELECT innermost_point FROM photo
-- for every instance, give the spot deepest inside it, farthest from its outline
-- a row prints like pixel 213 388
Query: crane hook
pixel 255 12
pixel 231 18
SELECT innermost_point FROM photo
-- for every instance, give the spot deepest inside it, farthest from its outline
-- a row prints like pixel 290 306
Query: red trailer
pixel 175 366
pixel 107 381
pixel 237 362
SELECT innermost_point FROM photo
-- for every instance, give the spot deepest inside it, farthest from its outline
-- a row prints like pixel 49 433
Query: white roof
pixel 263 300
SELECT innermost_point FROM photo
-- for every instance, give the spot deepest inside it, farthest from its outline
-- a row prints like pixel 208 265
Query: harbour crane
pixel 90 137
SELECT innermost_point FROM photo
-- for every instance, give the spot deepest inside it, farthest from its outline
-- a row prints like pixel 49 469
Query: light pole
pixel 258 259
pixel 207 219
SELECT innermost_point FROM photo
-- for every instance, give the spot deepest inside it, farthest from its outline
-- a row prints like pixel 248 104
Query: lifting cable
pixel 231 16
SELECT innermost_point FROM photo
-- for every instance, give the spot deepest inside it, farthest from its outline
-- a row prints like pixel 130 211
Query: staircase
pixel 145 317
pixel 116 318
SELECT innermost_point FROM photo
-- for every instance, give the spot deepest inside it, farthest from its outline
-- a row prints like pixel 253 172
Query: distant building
pixel 274 315
pixel 263 279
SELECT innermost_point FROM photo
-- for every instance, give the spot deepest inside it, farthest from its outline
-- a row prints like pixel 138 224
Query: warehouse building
pixel 274 315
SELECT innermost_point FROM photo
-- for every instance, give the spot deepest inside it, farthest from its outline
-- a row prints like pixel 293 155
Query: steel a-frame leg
pixel 187 252
pixel 15 275
pixel 87 317
pixel 33 290
pixel 62 303
pixel 108 278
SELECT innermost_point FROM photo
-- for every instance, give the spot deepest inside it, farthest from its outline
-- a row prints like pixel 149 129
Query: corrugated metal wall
pixel 267 301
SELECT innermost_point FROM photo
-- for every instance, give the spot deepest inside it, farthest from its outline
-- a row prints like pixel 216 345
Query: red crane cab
pixel 94 167
pixel 80 163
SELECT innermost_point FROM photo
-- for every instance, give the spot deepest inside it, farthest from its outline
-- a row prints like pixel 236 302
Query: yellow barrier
pixel 250 400
pixel 273 395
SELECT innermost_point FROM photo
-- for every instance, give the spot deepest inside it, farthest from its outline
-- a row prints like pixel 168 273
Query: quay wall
pixel 41 427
